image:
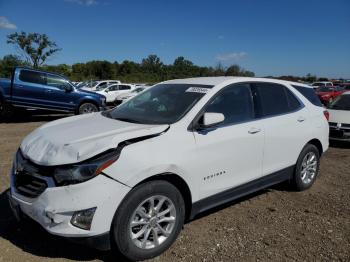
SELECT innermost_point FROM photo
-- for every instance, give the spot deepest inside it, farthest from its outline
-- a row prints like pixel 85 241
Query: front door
pixel 231 153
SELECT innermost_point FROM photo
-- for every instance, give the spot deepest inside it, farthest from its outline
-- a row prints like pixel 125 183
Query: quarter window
pixel 309 94
pixel 235 103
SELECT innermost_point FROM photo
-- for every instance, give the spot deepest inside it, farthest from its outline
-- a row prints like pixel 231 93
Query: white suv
pixel 131 176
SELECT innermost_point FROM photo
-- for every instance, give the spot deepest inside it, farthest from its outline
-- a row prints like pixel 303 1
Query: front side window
pixel 32 77
pixel 161 104
pixel 274 99
pixel 235 103
pixel 58 82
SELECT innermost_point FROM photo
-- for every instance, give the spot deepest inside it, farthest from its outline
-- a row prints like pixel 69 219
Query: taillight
pixel 326 114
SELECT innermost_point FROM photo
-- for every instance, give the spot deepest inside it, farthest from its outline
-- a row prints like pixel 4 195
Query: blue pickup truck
pixel 35 89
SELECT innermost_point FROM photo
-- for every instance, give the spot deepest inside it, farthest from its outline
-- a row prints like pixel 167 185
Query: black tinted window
pixel 124 87
pixel 235 102
pixel 32 77
pixel 274 99
pixel 309 94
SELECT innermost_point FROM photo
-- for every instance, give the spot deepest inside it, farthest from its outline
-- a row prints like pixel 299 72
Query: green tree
pixel 36 48
pixel 8 63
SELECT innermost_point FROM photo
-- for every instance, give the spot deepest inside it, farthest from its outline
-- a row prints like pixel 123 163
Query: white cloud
pixel 83 2
pixel 4 23
pixel 231 56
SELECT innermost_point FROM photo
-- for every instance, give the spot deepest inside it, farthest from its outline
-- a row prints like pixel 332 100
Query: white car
pixel 321 84
pixel 339 118
pixel 93 85
pixel 125 96
pixel 129 177
pixel 111 92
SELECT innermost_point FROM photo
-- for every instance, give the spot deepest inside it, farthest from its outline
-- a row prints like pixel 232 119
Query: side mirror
pixel 68 88
pixel 212 119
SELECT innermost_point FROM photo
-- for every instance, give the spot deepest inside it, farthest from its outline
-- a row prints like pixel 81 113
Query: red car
pixel 328 93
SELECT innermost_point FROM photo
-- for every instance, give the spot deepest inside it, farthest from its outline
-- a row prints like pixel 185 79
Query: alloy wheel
pixel 152 222
pixel 308 168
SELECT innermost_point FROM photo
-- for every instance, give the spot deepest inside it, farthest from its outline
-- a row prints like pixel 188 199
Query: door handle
pixel 48 91
pixel 301 119
pixel 254 130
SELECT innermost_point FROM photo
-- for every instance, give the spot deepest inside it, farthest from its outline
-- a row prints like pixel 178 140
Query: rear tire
pixel 141 232
pixel 87 108
pixel 307 168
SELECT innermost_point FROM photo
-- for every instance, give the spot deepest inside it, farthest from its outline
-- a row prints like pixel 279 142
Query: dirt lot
pixel 274 225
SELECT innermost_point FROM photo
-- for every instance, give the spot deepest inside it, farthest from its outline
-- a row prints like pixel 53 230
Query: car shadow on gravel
pixel 35 116
pixel 32 238
pixel 339 144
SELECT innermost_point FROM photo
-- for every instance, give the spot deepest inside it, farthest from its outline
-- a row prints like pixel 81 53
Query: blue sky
pixel 269 37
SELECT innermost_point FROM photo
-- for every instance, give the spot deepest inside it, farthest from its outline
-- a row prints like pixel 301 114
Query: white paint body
pixel 245 151
pixel 112 91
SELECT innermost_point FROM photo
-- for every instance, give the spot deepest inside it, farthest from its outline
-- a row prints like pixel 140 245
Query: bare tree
pixel 34 47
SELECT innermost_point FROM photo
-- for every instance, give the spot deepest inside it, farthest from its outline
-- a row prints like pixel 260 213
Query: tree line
pixel 34 49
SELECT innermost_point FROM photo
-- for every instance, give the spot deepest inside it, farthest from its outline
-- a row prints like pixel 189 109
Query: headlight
pixel 77 173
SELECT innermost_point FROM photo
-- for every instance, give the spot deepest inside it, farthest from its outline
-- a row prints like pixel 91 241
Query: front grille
pixel 332 124
pixel 28 185
pixel 29 178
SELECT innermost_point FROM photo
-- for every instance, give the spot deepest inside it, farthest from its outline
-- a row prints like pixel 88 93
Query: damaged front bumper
pixel 54 208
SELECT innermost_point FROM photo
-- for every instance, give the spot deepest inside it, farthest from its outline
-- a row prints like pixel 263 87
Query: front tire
pixel 87 108
pixel 307 168
pixel 148 221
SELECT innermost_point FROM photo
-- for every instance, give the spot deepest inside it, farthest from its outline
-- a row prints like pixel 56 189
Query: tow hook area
pixel 54 217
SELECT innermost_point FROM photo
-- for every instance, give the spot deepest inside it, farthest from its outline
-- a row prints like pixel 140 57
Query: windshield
pixel 101 87
pixel 90 84
pixel 161 104
pixel 341 103
pixel 325 89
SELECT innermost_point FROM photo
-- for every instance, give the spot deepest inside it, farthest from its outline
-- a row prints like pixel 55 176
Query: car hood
pixel 339 116
pixel 75 139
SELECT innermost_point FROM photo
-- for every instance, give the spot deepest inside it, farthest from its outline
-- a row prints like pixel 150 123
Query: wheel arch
pixel 179 183
pixel 317 143
pixel 87 101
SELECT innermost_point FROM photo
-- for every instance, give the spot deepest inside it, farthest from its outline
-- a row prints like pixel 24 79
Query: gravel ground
pixel 272 225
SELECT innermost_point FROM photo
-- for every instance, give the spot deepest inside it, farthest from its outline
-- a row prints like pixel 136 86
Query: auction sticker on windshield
pixel 194 89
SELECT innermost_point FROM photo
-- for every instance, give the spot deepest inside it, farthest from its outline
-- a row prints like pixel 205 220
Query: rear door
pixel 29 88
pixel 285 121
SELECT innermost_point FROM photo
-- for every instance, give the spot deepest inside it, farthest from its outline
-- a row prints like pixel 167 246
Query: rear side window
pixel 274 99
pixel 32 77
pixel 124 87
pixel 309 94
